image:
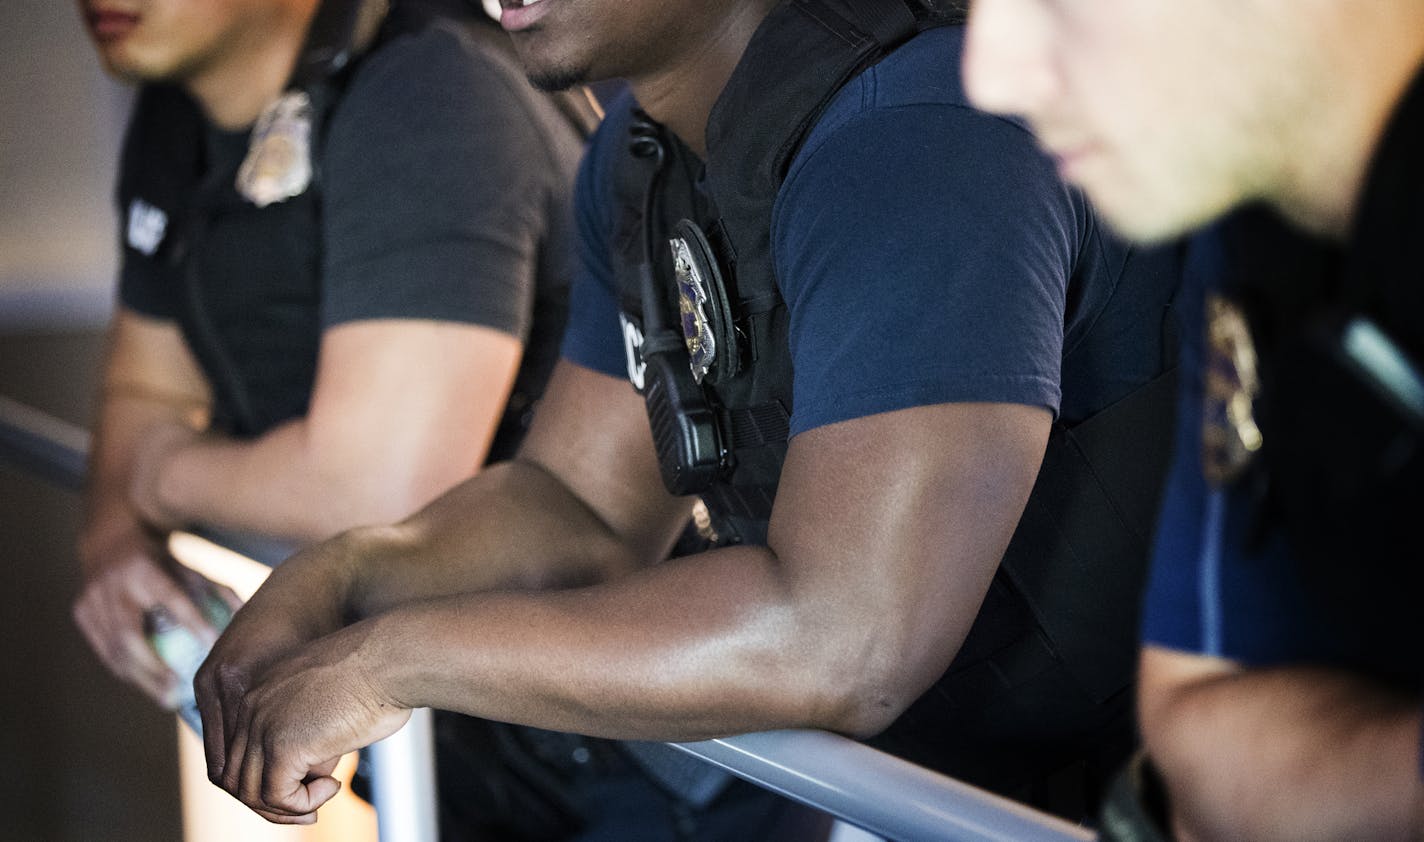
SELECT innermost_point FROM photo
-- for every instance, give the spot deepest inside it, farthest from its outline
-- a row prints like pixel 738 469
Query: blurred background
pixel 82 757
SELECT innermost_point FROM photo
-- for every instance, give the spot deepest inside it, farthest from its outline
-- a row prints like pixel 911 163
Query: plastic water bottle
pixel 183 651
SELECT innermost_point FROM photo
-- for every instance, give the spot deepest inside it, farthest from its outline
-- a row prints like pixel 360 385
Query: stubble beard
pixel 557 78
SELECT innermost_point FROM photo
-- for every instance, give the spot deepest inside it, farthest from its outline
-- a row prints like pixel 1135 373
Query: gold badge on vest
pixel 278 165
pixel 1230 437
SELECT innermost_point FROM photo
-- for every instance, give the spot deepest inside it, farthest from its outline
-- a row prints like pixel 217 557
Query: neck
pixel 681 96
pixel 1323 187
pixel 234 86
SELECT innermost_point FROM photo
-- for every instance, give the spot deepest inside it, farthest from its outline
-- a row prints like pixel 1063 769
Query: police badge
pixel 691 301
pixel 702 305
pixel 1230 437
pixel 278 165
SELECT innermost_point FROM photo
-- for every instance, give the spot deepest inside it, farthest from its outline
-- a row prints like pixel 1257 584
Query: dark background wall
pixel 82 757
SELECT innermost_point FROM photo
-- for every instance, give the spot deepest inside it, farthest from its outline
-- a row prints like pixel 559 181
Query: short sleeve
pixel 436 189
pixel 924 252
pixel 594 335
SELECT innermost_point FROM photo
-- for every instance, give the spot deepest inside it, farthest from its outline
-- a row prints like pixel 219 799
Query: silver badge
pixel 278 164
pixel 1230 437
pixel 691 305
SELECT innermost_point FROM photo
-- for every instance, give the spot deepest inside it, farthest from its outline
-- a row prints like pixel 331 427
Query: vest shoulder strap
pixel 764 114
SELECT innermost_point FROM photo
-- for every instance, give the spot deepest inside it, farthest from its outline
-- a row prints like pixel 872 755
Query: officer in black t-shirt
pixel 342 282
pixel 1282 676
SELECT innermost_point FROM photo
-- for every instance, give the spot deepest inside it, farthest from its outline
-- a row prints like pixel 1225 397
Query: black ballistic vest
pixel 225 253
pixel 1340 343
pixel 1070 580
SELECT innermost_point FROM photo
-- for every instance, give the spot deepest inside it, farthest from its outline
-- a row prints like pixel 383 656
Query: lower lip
pixel 515 20
pixel 110 26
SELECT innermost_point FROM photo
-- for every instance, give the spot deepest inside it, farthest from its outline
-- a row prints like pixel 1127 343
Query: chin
pixel 553 76
pixel 543 67
pixel 1147 222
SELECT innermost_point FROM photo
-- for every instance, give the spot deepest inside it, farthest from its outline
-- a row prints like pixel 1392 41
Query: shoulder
pixel 444 75
pixel 920 78
pixel 161 147
pixel 908 117
pixel 901 144
pixel 162 116
pixel 443 53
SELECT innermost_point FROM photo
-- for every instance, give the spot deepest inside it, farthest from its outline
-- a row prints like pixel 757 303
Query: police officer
pixel 343 278
pixel 856 318
pixel 1281 677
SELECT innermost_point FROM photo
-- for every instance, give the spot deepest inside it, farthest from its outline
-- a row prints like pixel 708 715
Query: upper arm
pixel 438 201
pixel 926 330
pixel 441 194
pixel 911 284
pixel 591 433
pixel 408 407
pixel 892 526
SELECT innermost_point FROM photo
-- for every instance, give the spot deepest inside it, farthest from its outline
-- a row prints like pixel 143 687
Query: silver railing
pixel 869 789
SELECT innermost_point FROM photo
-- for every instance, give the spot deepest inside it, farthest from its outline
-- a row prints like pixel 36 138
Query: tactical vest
pixel 1339 339
pixel 1076 563
pixel 225 253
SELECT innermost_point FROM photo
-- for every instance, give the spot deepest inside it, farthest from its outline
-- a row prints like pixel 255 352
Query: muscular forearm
pixel 717 644
pixel 513 526
pixel 1289 754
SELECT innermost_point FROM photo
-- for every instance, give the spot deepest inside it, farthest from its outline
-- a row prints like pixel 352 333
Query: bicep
pixel 410 401
pixel 591 433
pixel 896 522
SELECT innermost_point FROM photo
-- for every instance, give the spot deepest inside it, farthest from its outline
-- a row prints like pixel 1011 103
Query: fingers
pixel 109 613
pixel 276 784
pixel 220 689
pixel 116 636
pixel 185 612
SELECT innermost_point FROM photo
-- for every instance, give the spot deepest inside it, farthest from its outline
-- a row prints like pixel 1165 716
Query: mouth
pixel 1070 159
pixel 108 25
pixel 518 15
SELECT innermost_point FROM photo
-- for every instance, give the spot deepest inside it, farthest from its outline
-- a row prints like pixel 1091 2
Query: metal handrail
pixel 870 789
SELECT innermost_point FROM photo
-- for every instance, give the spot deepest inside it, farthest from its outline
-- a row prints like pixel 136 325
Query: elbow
pixel 864 695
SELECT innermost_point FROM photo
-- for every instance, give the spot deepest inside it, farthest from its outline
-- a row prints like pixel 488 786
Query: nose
pixel 1007 66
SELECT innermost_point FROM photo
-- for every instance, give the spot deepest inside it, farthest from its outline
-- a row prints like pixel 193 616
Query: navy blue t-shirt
pixel 927 253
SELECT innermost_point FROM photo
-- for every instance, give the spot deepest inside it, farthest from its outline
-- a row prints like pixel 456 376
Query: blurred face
pixel 172 40
pixel 1167 112
pixel 566 42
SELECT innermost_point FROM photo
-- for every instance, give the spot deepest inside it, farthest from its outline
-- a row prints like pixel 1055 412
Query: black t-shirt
pixel 442 189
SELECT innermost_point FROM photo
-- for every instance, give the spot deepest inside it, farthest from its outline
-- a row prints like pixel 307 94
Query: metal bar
pixel 878 792
pixel 41 444
pixel 860 785
pixel 403 781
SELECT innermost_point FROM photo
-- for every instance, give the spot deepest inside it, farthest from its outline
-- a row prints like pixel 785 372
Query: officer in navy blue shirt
pixel 1281 673
pixel 952 312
